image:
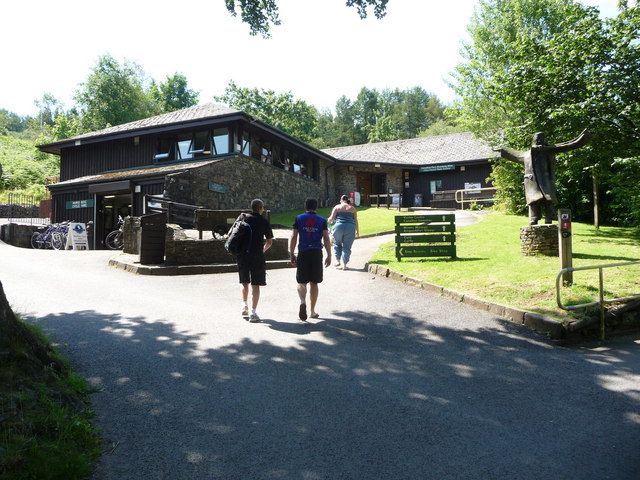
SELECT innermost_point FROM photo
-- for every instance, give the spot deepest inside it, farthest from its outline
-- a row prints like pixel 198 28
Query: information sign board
pixel 77 237
pixel 440 240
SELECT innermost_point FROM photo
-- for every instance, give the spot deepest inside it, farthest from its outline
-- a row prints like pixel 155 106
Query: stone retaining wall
pixel 539 240
pixel 19 211
pixel 181 250
pixel 18 235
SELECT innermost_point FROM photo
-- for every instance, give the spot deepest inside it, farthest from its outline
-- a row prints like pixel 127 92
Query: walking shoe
pixel 254 318
pixel 245 311
pixel 302 314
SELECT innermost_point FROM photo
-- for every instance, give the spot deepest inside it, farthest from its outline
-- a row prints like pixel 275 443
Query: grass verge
pixel 45 428
pixel 490 265
pixel 370 220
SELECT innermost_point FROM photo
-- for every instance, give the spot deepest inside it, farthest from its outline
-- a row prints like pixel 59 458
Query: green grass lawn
pixel 370 220
pixel 490 265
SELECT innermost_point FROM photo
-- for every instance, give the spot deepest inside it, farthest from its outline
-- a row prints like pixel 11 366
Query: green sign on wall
pixel 217 187
pixel 437 168
pixel 71 204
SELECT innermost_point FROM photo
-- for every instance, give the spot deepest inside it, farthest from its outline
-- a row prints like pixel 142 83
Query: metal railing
pixel 26 209
pixel 474 195
pixel 388 200
pixel 601 302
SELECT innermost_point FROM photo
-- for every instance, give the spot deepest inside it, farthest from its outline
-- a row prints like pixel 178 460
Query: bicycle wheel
pixel 36 240
pixel 119 240
pixel 57 241
pixel 111 241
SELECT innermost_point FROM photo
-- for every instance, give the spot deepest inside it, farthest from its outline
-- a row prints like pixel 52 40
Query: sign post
pixel 425 236
pixel 564 241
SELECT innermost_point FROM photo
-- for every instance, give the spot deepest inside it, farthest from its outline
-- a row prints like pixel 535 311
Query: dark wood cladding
pixel 96 158
pixel 61 213
pixel 451 180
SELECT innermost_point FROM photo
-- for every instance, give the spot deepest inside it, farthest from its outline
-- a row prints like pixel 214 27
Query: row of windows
pixel 210 143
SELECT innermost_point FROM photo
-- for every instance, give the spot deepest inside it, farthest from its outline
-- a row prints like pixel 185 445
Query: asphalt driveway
pixel 390 383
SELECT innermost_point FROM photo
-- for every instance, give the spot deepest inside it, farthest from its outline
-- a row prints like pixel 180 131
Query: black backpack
pixel 239 237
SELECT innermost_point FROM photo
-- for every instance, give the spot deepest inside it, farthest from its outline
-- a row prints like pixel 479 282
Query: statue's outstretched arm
pixel 510 154
pixel 577 142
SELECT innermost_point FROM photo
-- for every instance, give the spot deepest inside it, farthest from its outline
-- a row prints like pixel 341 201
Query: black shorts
pixel 309 267
pixel 252 269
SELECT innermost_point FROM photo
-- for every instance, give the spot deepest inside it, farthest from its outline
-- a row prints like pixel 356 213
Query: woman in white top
pixel 345 219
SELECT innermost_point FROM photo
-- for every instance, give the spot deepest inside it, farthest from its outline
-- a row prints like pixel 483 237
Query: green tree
pixel 113 94
pixel 66 125
pixel 260 15
pixel 552 66
pixel 173 94
pixel 48 108
pixel 283 111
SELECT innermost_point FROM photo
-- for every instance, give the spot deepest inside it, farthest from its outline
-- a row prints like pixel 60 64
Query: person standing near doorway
pixel 310 234
pixel 345 219
pixel 252 264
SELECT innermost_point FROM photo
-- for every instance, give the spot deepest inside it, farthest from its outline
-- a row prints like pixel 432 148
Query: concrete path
pixel 390 383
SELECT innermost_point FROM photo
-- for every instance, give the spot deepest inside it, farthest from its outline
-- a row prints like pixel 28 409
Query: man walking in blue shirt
pixel 310 231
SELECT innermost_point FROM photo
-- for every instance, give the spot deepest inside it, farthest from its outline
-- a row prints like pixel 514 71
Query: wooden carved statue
pixel 539 173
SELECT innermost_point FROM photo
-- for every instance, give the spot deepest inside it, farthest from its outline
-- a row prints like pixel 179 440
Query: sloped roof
pixel 196 112
pixel 127 173
pixel 450 148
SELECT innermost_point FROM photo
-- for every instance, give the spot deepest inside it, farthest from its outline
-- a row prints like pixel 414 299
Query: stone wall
pixel 539 240
pixel 18 235
pixel 242 179
pixel 181 250
pixel 19 211
pixel 346 180
pixel 130 231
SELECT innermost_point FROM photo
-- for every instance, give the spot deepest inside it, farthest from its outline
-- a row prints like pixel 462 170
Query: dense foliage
pixel 555 66
pixel 260 15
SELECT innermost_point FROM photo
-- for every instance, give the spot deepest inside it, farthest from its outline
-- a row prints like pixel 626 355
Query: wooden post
pixel 564 241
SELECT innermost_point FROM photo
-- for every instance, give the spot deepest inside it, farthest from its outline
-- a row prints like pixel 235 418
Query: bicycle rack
pixel 601 300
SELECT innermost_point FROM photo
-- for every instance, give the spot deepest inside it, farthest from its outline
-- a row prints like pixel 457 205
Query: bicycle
pixel 54 236
pixel 115 239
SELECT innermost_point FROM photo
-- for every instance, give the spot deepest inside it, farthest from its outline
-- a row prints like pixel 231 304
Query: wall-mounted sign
pixel 79 204
pixel 217 187
pixel 472 187
pixel 437 168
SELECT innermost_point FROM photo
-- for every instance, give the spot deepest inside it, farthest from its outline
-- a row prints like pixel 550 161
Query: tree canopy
pixel 261 15
pixel 553 66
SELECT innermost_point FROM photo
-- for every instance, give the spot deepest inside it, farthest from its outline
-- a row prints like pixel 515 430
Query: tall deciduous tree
pixel 113 94
pixel 283 111
pixel 173 94
pixel 552 66
pixel 260 15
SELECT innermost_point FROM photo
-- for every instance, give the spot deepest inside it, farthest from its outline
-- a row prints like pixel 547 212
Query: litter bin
pixel 151 238
pixel 417 200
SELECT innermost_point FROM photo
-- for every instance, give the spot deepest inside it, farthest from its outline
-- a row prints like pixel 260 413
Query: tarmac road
pixel 390 383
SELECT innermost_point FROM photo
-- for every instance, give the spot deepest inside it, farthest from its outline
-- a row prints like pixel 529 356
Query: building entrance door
pixel 108 210
pixel 363 185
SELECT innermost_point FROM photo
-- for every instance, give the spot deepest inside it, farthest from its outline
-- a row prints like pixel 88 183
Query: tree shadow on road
pixel 358 396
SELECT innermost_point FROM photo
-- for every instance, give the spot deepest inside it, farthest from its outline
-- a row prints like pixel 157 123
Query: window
pixel 163 151
pixel 183 148
pixel 220 141
pixel 245 144
pixel 265 152
pixel 436 185
pixel 200 144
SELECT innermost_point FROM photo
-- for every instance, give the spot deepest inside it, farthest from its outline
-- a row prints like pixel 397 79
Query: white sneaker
pixel 254 318
pixel 245 311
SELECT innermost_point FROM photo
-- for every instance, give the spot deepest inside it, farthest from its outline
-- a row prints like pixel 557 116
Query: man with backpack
pixel 250 241
pixel 310 233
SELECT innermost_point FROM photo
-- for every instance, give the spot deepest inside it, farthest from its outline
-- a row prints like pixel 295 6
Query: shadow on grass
pixel 354 396
pixel 587 256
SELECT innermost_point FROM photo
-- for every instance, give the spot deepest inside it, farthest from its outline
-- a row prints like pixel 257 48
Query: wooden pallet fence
pixel 425 236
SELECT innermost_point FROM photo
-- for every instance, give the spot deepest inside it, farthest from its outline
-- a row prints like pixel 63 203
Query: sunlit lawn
pixel 371 220
pixel 490 265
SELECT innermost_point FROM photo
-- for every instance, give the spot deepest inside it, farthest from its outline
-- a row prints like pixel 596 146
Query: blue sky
pixel 321 51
